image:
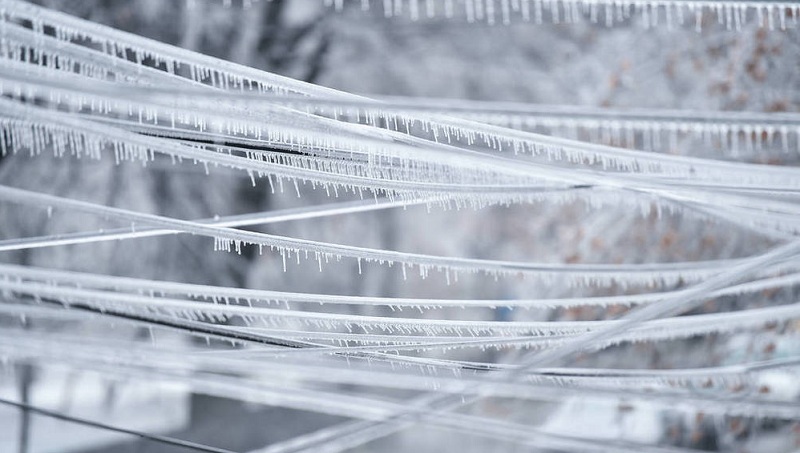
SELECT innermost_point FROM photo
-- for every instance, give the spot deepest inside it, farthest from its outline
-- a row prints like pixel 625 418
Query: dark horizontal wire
pixel 211 330
pixel 152 437
pixel 189 326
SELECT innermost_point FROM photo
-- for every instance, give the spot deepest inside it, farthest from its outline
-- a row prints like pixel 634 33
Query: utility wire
pixel 152 437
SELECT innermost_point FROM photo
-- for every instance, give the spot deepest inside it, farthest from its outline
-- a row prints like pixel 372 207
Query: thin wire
pixel 153 437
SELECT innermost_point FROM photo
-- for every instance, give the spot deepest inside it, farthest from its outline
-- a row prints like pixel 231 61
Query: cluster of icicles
pixel 670 13
pixel 71 87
